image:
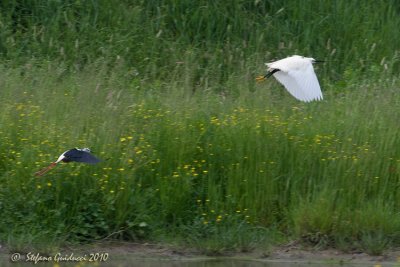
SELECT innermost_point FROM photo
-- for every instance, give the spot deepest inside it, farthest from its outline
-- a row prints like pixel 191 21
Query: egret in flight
pixel 297 74
pixel 75 154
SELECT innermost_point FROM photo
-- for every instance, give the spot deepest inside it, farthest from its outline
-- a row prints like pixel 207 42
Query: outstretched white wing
pixel 301 83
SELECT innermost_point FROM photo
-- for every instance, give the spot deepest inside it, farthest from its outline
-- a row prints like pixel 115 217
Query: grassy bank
pixel 194 150
pixel 151 36
pixel 221 171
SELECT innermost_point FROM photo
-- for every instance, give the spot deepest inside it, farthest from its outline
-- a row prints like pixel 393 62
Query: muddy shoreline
pixel 286 253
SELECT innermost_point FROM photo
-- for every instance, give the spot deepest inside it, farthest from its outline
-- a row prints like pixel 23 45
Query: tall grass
pixel 171 161
pixel 152 35
pixel 193 148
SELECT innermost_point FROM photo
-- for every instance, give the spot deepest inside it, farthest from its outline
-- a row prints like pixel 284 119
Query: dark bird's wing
pixel 80 156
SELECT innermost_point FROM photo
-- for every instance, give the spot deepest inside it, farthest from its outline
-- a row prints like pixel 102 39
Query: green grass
pixel 194 149
pixel 151 36
pixel 209 168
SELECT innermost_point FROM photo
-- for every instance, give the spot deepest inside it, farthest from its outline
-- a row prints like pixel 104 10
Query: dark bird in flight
pixel 75 154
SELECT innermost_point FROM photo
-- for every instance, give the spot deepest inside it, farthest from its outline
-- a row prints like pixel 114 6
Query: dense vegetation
pixel 195 151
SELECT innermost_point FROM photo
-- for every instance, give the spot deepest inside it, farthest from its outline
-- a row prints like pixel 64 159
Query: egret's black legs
pixel 270 73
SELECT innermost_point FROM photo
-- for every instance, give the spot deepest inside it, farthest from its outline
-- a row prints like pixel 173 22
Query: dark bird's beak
pixel 319 61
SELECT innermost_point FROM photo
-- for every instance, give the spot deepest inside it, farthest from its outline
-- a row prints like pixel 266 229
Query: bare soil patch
pixel 289 252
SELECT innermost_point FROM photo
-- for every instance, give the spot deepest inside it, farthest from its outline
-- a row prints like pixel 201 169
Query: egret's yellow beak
pixel 260 78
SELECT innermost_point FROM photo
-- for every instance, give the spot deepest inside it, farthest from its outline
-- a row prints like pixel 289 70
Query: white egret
pixel 297 74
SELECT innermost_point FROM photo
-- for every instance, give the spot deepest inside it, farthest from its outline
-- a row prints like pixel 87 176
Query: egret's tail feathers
pixel 44 170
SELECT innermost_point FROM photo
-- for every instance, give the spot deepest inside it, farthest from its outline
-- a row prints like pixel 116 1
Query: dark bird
pixel 75 154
